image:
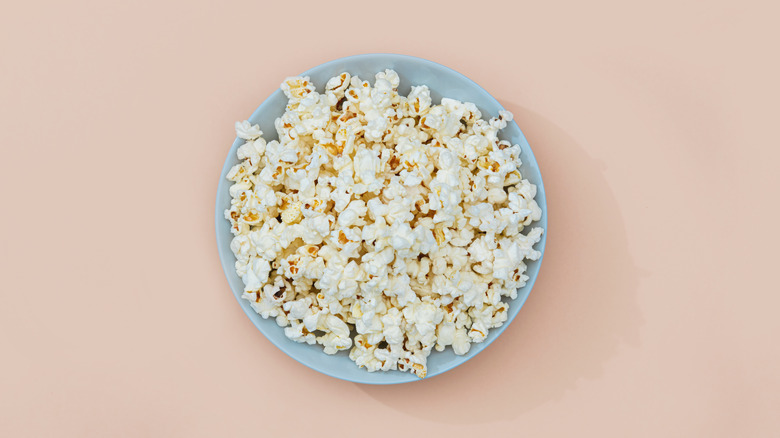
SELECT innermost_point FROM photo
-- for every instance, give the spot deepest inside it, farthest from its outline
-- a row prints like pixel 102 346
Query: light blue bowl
pixel 442 81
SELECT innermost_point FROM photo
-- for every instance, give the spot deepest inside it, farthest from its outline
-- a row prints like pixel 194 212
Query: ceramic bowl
pixel 442 81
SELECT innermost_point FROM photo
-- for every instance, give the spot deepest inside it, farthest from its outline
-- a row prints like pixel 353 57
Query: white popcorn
pixel 247 131
pixel 419 100
pixel 461 343
pixel 352 214
pixel 288 155
pixel 481 249
pixel 401 236
pixel 424 317
pixel 296 332
pixel 366 165
pixel 390 76
pixel 257 276
pixel 338 84
pixel 296 88
pixel 392 323
pixel 337 335
pixel 391 216
pixel 399 288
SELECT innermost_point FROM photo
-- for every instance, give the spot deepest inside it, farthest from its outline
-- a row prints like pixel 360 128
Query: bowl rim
pixel 402 377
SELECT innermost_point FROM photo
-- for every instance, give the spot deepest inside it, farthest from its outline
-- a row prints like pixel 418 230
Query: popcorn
pixel 352 214
pixel 297 87
pixel 337 335
pixel 247 131
pixel 382 224
pixel 298 333
pixel 338 83
pixel 418 101
pixel 257 276
pixel 461 343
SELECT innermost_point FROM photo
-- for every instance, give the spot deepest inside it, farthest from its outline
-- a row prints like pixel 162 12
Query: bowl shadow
pixel 582 309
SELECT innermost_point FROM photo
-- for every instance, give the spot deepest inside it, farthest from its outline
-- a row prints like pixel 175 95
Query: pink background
pixel 655 125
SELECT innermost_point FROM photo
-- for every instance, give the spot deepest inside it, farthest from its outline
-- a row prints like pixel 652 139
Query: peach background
pixel 656 128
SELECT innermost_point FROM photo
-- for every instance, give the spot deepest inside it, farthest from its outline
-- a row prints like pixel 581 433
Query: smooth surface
pixel 655 126
pixel 443 82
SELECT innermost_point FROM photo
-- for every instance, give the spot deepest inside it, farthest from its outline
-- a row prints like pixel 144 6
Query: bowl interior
pixel 442 81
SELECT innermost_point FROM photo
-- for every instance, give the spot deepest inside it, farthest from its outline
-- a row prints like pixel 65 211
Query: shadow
pixel 582 308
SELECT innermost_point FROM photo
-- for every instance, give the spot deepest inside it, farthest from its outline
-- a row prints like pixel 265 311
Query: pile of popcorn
pixel 379 223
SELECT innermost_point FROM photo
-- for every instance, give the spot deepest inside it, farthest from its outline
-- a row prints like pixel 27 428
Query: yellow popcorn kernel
pixel 343 238
pixel 251 217
pixel 311 250
pixel 334 149
pixel 348 115
pixel 315 205
pixel 438 234
pixel 393 162
pixel 292 214
pixel 421 205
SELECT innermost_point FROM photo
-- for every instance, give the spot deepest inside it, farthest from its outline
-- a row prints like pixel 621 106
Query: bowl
pixel 442 81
